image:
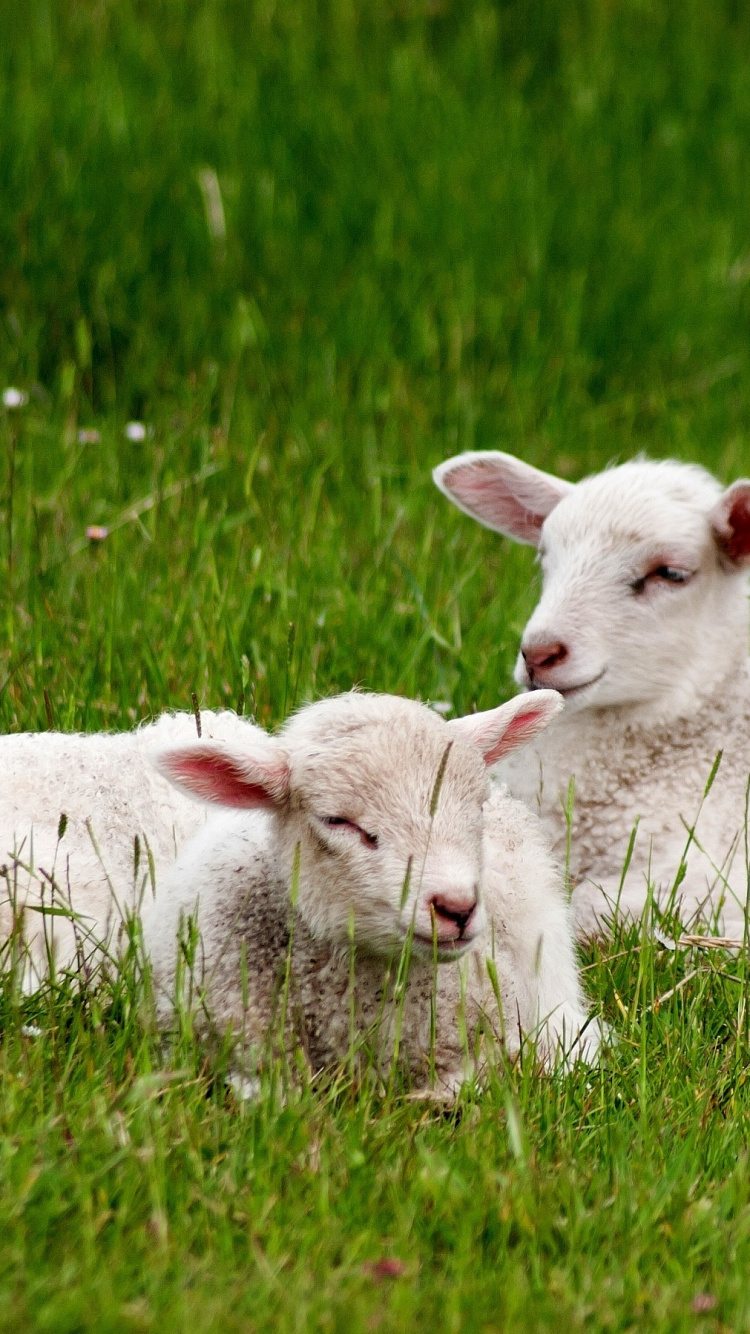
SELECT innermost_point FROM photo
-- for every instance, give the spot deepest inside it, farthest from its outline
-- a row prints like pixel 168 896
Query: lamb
pixel 363 826
pixel 110 794
pixel 642 627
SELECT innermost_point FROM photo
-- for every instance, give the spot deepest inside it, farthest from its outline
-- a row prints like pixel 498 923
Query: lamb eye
pixel 671 574
pixel 341 822
pixel 668 574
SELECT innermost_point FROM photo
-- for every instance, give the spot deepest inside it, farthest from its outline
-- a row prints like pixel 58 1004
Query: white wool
pixel 378 850
pixel 110 793
pixel 642 626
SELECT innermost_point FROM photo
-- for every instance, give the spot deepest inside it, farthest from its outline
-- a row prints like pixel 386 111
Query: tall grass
pixel 315 248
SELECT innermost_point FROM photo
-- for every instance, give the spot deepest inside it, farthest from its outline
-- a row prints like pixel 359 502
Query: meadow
pixel 315 248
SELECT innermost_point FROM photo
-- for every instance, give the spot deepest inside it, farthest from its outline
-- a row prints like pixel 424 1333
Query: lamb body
pixel 642 626
pixel 351 783
pixel 110 793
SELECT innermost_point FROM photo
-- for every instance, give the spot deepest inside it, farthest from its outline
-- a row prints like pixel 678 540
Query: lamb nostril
pixel 459 911
pixel 544 655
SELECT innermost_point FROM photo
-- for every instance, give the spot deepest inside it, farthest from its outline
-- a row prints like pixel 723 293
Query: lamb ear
pixel 730 520
pixel 502 492
pixel 499 731
pixel 212 772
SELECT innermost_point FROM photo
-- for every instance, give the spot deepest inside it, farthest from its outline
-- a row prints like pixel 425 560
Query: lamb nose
pixel 544 655
pixel 456 910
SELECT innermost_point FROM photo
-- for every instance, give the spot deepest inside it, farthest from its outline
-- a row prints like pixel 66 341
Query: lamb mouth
pixel 568 692
pixel 449 949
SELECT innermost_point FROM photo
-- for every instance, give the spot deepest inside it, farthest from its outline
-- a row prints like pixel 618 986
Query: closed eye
pixel 662 574
pixel 340 822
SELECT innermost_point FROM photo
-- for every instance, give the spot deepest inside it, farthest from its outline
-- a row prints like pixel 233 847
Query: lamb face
pixel 631 580
pixel 644 587
pixel 384 802
pixel 370 849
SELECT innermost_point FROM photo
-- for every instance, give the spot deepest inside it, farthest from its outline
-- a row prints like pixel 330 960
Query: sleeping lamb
pixel 642 625
pixel 368 814
pixel 109 794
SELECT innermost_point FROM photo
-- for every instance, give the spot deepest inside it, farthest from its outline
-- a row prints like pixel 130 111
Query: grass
pixel 316 248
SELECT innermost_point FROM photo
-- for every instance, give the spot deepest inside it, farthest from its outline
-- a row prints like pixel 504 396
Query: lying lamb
pixel 642 625
pixel 385 803
pixel 108 791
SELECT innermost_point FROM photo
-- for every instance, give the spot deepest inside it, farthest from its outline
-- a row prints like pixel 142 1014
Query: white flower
pixel 441 706
pixel 135 431
pixel 14 398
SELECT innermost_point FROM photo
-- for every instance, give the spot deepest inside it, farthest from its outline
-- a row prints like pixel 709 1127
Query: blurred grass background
pixel 321 247
pixel 315 248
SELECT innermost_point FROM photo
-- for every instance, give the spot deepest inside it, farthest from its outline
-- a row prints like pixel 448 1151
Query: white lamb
pixel 642 625
pixel 385 804
pixel 109 792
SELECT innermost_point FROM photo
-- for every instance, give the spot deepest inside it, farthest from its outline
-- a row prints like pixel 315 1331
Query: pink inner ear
pixel 513 505
pixel 487 496
pixel 736 543
pixel 519 730
pixel 220 779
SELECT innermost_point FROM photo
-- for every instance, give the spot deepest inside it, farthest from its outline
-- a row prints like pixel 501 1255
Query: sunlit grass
pixel 137 1188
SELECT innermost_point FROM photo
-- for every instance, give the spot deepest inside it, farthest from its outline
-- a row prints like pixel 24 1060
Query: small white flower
pixel 31 1031
pixel 441 706
pixel 14 398
pixel 135 431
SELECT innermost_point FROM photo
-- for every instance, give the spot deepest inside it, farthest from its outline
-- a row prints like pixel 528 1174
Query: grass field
pixel 314 249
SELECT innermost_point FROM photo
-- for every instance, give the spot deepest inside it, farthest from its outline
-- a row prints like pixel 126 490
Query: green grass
pixel 446 226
